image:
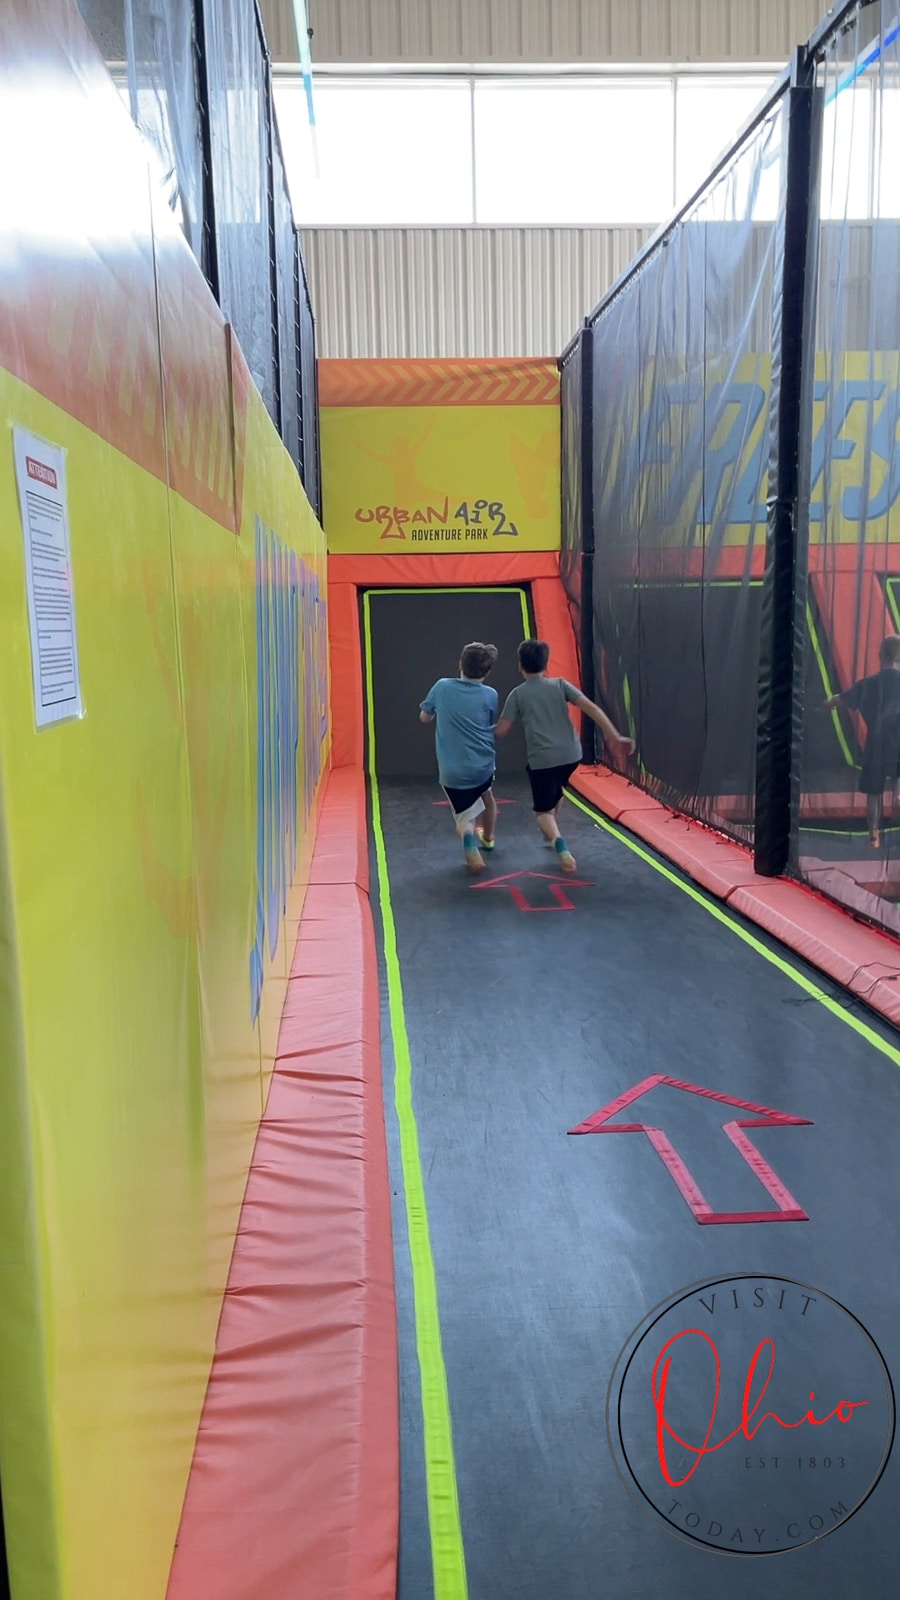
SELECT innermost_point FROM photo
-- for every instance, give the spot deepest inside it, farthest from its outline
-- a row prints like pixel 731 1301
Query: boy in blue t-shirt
pixel 465 711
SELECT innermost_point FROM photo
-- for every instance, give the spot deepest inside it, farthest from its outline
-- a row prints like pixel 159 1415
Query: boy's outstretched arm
pixel 503 727
pixel 610 733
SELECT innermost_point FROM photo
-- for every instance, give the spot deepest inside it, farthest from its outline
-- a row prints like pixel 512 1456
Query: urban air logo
pixel 751 1415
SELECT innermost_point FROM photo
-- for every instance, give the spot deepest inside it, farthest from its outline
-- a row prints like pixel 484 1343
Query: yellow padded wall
pixel 135 1050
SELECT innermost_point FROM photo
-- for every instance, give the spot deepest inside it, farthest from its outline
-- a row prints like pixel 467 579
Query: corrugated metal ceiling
pixel 459 291
pixel 499 291
pixel 475 31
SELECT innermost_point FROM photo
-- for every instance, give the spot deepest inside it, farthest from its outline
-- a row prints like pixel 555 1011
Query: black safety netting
pixel 570 478
pixel 162 85
pixel 681 369
pixel 196 77
pixel 849 738
pixel 151 48
pixel 237 72
pixel 286 305
pixel 311 469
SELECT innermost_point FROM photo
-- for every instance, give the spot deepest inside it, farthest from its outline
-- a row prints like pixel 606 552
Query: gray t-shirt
pixel 542 707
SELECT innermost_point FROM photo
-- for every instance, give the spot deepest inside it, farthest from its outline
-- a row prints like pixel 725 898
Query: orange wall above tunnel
pixel 435 473
pixel 347 575
pixel 453 457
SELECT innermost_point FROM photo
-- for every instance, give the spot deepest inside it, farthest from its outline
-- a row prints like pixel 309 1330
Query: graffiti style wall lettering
pixel 429 523
pixel 855 462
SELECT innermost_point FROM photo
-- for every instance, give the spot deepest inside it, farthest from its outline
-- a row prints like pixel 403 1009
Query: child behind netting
pixel 877 699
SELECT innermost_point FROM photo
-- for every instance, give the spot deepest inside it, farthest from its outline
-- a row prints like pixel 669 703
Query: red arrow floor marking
pixel 509 882
pixel 764 1117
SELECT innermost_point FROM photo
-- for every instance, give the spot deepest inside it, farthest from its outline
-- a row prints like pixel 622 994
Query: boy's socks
pixel 474 859
pixel 566 858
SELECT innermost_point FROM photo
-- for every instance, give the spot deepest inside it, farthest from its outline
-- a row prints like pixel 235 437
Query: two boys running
pixel 465 711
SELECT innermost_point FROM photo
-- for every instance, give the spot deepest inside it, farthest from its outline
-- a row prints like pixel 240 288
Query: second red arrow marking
pixel 511 882
pixel 764 1117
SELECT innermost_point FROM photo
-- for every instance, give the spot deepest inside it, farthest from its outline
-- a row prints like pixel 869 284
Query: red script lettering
pixel 660 1383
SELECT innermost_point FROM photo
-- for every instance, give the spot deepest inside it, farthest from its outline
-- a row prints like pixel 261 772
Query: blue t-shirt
pixel 464 735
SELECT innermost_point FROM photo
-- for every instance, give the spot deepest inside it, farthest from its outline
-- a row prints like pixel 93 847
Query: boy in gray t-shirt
pixel 552 746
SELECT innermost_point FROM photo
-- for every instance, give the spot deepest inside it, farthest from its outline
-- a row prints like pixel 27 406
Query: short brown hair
pixel 890 649
pixel 533 655
pixel 477 659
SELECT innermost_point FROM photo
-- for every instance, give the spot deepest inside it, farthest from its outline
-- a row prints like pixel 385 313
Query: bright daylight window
pixel 708 114
pixel 604 150
pixel 860 144
pixel 846 154
pixel 391 153
pixel 581 152
pixel 886 176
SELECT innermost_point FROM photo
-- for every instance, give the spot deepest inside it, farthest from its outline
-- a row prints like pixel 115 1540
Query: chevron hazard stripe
pixel 510 382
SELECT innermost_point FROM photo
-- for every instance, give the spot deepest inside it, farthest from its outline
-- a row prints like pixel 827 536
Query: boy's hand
pixel 624 745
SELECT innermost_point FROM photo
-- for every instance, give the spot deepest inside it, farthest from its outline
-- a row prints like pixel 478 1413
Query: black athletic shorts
pixel 547 784
pixel 462 799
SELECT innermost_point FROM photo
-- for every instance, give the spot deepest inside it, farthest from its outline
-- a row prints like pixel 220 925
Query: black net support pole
pixel 274 317
pixel 319 506
pixel 784 584
pixel 4 1570
pixel 298 360
pixel 210 261
pixel 586 642
pixel 318 500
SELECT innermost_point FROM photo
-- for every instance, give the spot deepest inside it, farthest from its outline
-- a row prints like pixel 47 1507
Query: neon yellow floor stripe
pixel 447 1553
pixel 457 588
pixel 723 916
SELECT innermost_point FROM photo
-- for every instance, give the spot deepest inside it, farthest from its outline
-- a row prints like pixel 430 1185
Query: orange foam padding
pixel 813 807
pixel 342 844
pixel 553 623
pixel 866 900
pixel 878 877
pixel 717 864
pixel 822 933
pixel 294 1487
pixel 429 571
pixel 347 708
pixel 880 988
pixel 864 960
pixel 825 807
pixel 612 793
pixel 348 574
